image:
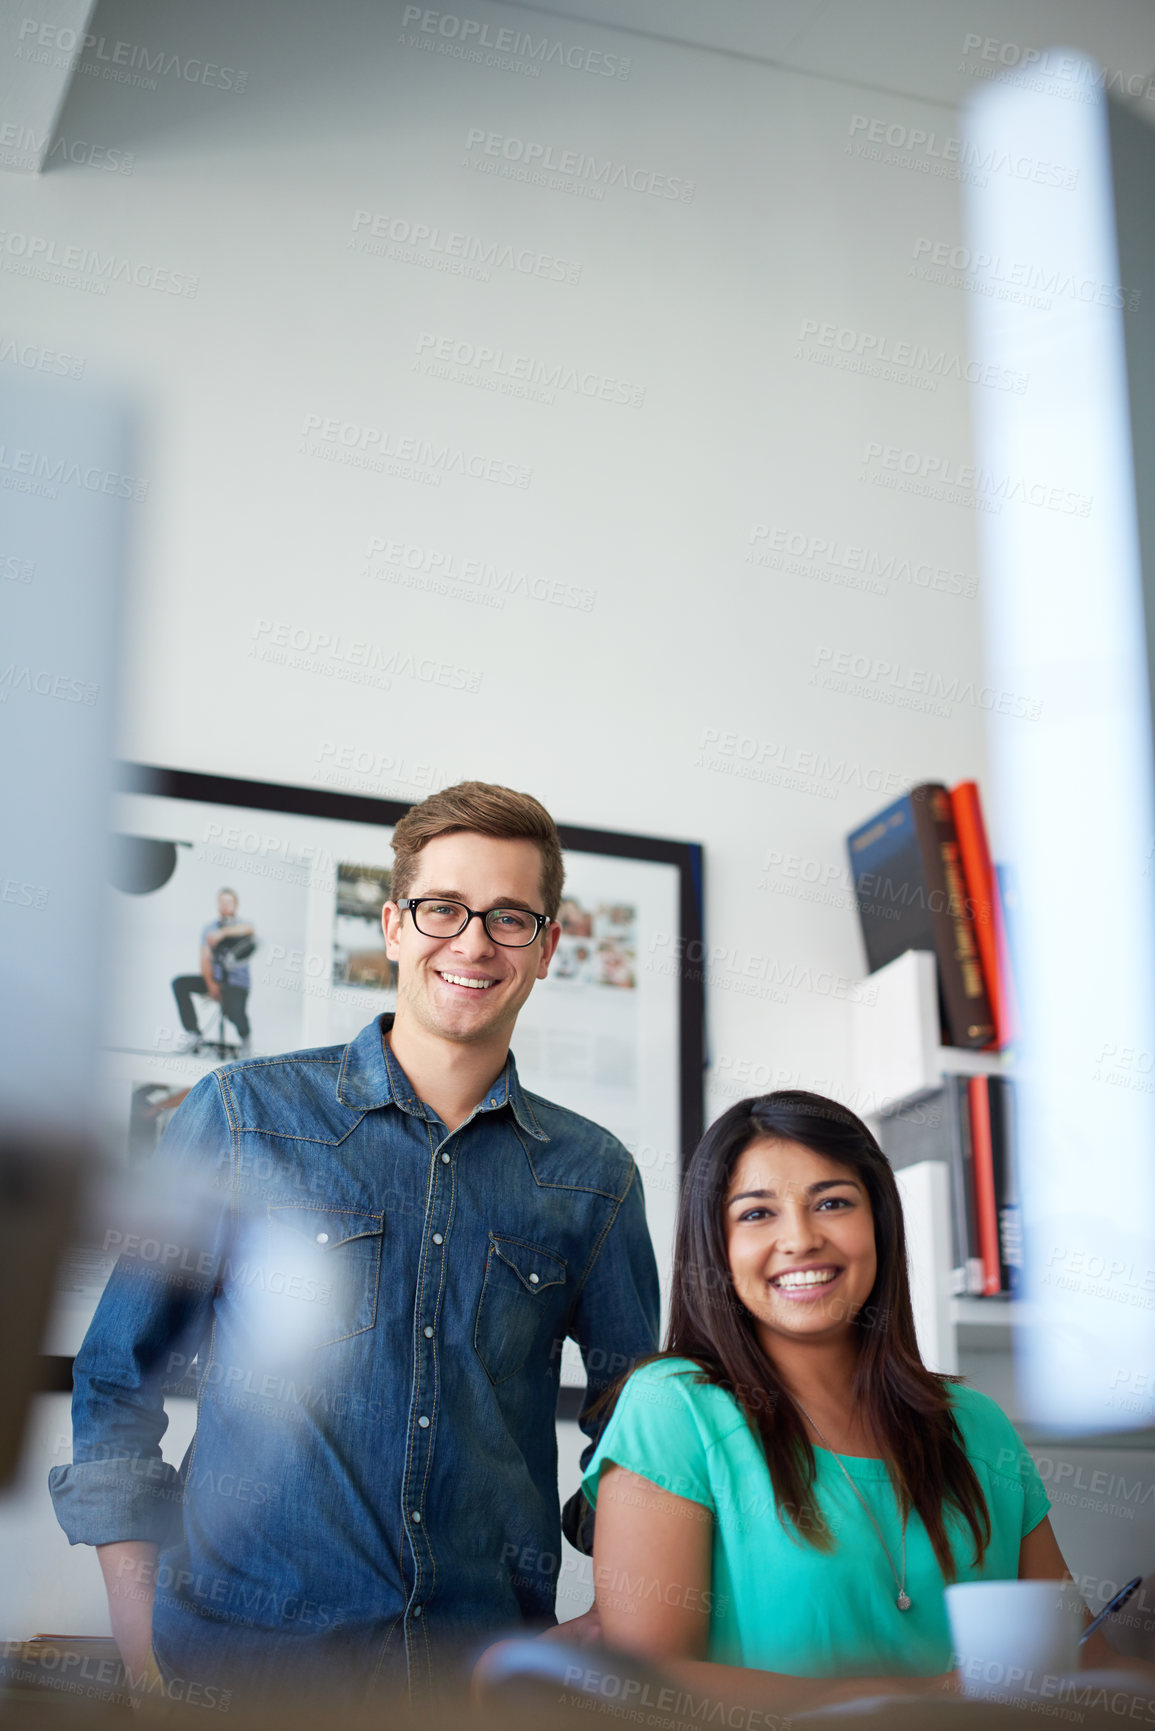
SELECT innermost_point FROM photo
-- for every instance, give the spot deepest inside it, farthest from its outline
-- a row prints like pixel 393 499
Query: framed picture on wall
pixel 295 879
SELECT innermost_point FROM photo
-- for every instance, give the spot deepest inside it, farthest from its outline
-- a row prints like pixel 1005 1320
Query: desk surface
pixel 1092 1700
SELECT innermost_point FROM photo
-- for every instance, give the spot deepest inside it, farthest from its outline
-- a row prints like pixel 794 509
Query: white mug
pixel 1007 1636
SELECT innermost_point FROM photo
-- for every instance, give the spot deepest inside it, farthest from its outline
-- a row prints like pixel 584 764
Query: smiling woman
pixel 800 1487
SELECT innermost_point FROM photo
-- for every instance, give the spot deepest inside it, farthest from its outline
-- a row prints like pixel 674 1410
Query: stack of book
pixel 923 880
pixel 970 1124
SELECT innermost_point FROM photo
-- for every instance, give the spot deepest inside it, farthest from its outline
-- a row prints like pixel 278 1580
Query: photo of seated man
pixel 226 944
pixel 150 1113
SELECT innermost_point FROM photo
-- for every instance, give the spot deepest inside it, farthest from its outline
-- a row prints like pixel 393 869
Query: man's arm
pixel 129 1570
pixel 119 1494
pixel 615 1323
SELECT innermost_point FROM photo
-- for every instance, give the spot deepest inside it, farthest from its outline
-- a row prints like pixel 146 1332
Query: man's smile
pixel 472 982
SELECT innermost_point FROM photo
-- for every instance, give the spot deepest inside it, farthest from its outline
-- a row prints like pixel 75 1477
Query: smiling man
pixel 399 1237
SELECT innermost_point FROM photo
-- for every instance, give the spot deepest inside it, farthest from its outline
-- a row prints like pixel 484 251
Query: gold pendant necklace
pixel 903 1601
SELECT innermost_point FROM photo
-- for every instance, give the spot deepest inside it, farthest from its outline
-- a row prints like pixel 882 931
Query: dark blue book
pixel 908 880
pixel 1010 1213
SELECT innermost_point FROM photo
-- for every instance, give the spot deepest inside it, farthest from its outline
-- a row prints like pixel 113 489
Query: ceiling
pixel 935 50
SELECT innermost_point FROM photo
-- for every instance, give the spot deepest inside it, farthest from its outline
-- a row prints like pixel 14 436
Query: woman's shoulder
pixel 665 1366
pixel 676 1377
pixel 669 1425
pixel 683 1385
pixel 986 1429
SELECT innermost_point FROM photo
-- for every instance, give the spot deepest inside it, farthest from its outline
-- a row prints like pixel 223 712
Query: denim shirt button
pixel 322 1238
pixel 445 1160
pixel 423 1422
pixel 493 1102
pixel 417 1520
pixel 417 1610
pixel 428 1332
pixel 437 1238
pixel 533 1279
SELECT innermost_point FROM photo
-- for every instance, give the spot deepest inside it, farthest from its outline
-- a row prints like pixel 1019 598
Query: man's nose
pixel 474 940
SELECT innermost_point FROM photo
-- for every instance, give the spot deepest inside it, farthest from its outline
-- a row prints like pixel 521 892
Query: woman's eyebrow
pixel 811 1190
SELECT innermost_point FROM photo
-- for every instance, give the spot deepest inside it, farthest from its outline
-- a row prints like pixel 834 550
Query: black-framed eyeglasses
pixel 438 917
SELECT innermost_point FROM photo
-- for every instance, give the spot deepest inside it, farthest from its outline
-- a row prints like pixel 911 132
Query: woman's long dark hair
pixel 906 1406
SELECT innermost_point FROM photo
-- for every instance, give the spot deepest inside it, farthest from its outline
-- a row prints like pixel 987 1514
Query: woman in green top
pixel 788 1489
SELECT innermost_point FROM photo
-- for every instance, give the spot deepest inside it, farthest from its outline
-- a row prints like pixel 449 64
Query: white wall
pixel 684 701
pixel 603 712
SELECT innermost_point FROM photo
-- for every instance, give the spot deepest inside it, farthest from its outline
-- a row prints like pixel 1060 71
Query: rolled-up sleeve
pixel 150 1320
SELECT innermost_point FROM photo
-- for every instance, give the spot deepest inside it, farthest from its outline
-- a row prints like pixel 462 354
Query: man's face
pixel 483 872
pixel 226 905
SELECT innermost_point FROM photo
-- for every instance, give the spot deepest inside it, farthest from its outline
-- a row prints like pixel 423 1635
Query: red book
pixel 986 1201
pixel 982 893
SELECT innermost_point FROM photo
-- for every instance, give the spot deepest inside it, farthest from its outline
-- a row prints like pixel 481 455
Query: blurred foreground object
pixel 1102 1696
pixel 64 465
pixel 1060 259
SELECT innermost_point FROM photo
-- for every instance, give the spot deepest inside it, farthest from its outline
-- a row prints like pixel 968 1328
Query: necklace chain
pixel 903 1601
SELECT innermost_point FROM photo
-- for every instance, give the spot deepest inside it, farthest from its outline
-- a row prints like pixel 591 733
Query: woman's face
pixel 800 1238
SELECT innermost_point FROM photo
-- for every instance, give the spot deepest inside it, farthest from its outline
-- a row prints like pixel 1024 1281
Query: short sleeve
pixel 1036 1502
pixel 662 1428
pixel 991 1438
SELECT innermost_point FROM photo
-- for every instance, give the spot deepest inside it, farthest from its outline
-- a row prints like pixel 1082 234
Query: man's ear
pixel 549 943
pixel 391 926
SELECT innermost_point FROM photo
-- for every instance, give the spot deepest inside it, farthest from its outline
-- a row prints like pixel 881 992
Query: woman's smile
pixel 803 1284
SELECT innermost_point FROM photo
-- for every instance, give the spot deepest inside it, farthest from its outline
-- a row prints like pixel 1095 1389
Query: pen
pixel 1114 1604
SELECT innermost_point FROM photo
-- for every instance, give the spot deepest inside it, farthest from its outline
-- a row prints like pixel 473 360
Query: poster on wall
pixel 246 920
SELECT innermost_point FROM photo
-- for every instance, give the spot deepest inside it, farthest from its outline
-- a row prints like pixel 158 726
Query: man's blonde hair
pixel 484 808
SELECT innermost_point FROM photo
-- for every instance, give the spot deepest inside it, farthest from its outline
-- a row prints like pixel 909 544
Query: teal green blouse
pixel 776 1602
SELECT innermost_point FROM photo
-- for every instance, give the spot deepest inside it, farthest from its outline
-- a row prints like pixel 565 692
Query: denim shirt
pixel 376 1307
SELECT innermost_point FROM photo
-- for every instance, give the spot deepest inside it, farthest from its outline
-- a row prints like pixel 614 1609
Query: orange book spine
pixel 983 895
pixel 986 1202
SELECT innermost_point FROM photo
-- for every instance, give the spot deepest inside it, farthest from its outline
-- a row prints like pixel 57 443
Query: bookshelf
pixel 895 1052
pixel 897 1058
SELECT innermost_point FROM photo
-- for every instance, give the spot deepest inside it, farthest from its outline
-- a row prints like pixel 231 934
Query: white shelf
pixel 955 1061
pixel 925 1196
pixel 894 1033
pixel 984 1312
pixel 896 1055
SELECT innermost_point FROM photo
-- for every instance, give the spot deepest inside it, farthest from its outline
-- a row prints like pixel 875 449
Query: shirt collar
pixel 370 1077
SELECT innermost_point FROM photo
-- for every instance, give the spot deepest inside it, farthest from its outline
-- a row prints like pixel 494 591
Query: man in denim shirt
pixel 391 1241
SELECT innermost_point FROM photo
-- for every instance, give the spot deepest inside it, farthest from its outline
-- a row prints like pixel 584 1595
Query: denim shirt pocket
pixel 325 1267
pixel 513 1303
